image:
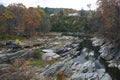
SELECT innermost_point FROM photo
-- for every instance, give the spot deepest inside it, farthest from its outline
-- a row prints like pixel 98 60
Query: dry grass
pixel 60 76
pixel 17 71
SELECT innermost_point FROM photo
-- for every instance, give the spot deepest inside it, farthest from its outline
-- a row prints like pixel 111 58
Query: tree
pixel 41 12
pixel 2 21
pixel 5 16
pixel 45 26
pixel 45 23
pixel 17 20
pixel 17 23
pixel 32 20
pixel 64 22
pixel 109 12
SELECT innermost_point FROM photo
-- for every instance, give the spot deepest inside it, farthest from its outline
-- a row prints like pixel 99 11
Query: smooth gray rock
pixel 53 69
pixel 84 76
pixel 27 53
pixel 97 42
pixel 119 66
pixel 47 50
pixel 106 77
pixel 50 56
pixel 105 53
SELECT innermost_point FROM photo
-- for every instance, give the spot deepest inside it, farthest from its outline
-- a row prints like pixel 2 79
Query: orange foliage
pixel 109 11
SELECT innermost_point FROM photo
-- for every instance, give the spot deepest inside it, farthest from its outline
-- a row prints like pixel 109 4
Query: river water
pixel 90 52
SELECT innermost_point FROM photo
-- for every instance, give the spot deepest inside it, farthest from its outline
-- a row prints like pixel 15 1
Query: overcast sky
pixel 75 4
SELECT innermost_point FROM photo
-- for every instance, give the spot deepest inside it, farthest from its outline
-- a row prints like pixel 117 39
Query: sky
pixel 75 4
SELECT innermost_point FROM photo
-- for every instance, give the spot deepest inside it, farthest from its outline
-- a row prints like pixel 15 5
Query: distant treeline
pixel 104 21
pixel 17 20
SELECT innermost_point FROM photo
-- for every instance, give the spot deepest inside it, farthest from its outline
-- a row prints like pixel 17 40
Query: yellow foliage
pixel 18 41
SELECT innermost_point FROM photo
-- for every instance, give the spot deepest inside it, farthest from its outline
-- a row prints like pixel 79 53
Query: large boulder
pixel 108 52
pixel 84 76
pixel 53 69
pixel 49 55
pixel 14 46
pixel 106 77
pixel 62 50
pixel 26 53
pixel 97 42
pixel 48 51
pixel 74 45
pixel 10 44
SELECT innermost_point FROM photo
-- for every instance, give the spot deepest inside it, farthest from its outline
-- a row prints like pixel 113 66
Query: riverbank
pixel 109 52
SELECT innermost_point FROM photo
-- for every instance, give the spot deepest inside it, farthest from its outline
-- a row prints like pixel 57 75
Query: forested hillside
pixel 109 14
pixel 69 20
pixel 17 20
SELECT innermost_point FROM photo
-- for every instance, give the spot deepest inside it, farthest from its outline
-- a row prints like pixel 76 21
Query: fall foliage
pixel 16 19
pixel 109 12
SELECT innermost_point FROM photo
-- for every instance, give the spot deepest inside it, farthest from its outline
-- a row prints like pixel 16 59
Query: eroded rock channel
pixel 79 60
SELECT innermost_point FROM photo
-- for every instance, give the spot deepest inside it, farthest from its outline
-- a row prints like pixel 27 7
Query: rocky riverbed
pixel 79 58
pixel 11 49
pixel 109 52
pixel 75 65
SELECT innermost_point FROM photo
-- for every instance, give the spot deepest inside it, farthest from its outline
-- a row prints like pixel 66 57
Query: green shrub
pixel 36 63
pixel 37 54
